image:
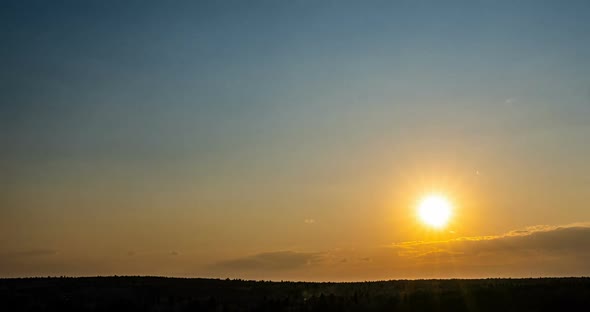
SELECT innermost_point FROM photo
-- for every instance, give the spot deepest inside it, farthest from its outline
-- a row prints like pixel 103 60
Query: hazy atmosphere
pixel 295 140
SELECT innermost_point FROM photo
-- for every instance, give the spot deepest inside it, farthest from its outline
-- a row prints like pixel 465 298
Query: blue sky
pixel 262 114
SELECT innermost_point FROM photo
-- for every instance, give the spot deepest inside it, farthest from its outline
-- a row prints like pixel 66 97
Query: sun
pixel 435 211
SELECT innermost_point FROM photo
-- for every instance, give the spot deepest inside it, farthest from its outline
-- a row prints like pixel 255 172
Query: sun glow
pixel 435 211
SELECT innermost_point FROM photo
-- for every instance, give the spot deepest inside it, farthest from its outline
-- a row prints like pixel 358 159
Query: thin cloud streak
pixel 279 260
pixel 544 237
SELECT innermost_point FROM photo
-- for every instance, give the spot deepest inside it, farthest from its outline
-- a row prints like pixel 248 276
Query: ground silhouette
pixel 180 294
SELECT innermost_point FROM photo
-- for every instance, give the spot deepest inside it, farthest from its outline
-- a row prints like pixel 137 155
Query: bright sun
pixel 435 211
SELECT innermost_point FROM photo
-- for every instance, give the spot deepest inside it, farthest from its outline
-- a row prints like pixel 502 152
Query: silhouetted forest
pixel 178 294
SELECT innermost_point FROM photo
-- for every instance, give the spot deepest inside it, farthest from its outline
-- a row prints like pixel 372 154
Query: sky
pixel 293 140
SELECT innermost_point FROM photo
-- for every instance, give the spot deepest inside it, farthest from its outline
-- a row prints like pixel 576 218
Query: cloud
pixel 280 260
pixel 540 237
pixel 309 221
pixel 543 248
pixel 29 253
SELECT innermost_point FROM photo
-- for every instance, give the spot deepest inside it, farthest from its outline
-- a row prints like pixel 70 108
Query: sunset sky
pixel 294 140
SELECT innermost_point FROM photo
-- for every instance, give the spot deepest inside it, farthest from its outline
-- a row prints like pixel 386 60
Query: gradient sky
pixel 293 139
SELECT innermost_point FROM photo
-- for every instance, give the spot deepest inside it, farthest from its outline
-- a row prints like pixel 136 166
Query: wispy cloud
pixel 280 260
pixel 549 243
pixel 29 253
pixel 532 251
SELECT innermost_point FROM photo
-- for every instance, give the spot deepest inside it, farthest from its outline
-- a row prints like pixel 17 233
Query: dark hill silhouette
pixel 179 294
